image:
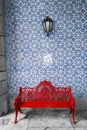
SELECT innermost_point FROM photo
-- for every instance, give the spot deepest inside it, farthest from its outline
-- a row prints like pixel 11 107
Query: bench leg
pixel 73 118
pixel 16 114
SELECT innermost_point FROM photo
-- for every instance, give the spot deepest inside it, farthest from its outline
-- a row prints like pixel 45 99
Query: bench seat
pixel 39 104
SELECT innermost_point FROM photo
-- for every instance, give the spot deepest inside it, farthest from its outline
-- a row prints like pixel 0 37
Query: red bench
pixel 44 95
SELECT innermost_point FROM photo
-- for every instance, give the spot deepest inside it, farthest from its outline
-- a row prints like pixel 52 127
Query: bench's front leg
pixel 16 103
pixel 16 114
pixel 73 118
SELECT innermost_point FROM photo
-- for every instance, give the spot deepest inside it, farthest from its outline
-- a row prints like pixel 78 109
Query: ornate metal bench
pixel 44 95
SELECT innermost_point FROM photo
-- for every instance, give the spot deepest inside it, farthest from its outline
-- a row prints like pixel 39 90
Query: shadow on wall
pixel 81 108
pixel 80 104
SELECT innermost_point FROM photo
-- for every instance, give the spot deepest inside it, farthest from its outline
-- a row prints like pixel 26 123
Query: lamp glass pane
pixel 47 25
pixel 50 29
pixel 44 26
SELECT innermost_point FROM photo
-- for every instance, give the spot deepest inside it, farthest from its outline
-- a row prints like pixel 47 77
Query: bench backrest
pixel 45 91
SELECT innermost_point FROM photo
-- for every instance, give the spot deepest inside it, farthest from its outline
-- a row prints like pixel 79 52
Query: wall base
pixel 3 104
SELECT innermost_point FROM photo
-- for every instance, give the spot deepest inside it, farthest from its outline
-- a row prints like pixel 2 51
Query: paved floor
pixel 44 119
pixel 47 119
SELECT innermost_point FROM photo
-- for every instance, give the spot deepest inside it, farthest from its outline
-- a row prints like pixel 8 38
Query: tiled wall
pixel 32 56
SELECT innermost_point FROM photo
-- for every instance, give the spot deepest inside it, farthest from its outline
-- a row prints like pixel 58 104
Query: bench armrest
pixel 17 100
pixel 71 97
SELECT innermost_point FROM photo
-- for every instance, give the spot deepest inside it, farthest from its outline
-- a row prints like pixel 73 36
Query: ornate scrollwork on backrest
pixel 45 91
pixel 62 94
pixel 27 94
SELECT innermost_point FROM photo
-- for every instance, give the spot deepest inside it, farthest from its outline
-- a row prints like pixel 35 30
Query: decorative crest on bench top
pixel 45 85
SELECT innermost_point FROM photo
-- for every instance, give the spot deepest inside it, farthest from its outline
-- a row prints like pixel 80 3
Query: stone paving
pixel 44 119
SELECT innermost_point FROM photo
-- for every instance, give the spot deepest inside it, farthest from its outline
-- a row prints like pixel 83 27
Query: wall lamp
pixel 47 25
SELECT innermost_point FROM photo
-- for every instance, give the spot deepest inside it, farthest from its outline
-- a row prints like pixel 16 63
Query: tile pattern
pixel 32 56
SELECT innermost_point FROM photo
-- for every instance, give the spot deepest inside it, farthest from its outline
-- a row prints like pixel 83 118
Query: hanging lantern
pixel 47 25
